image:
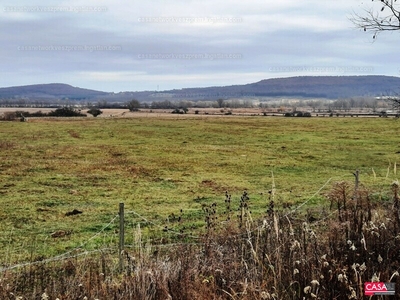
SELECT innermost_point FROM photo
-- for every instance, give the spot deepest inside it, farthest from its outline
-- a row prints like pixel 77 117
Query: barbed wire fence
pixel 81 250
pixel 119 247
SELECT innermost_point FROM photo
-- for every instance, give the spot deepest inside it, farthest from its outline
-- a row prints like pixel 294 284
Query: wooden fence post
pixel 357 182
pixel 121 236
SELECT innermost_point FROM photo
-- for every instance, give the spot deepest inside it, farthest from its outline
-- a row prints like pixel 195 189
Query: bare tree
pixel 395 102
pixel 221 102
pixel 133 105
pixel 383 16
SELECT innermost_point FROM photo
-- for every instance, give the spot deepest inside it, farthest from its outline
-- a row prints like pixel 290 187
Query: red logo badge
pixel 379 288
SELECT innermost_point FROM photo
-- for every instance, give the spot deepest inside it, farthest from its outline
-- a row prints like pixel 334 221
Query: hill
pixel 329 87
pixel 48 92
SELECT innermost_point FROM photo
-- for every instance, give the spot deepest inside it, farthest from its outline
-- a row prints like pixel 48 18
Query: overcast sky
pixel 116 45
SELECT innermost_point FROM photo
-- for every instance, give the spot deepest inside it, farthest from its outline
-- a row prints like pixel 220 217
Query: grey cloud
pixel 286 38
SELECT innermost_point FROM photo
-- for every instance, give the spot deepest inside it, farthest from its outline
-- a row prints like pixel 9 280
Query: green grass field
pixel 158 166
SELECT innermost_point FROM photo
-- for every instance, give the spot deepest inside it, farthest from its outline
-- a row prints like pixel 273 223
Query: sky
pixel 116 45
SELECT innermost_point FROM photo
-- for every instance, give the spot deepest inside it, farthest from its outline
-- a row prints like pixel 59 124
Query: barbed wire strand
pixel 292 211
pixel 167 245
pixel 61 256
pixel 56 258
pixel 160 226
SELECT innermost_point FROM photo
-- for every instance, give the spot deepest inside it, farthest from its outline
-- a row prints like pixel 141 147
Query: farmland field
pixel 160 166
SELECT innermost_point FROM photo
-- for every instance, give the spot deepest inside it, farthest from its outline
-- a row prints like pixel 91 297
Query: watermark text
pixel 190 20
pixel 54 9
pixel 322 69
pixel 191 56
pixel 69 48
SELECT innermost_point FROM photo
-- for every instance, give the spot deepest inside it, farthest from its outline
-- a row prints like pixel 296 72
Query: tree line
pixel 182 106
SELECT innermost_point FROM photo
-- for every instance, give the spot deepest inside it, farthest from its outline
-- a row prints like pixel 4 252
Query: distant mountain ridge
pixel 329 87
pixel 49 91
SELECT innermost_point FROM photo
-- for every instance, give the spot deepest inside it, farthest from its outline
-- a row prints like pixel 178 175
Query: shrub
pixel 299 114
pixel 66 111
pixel 177 111
pixel 9 116
pixel 95 111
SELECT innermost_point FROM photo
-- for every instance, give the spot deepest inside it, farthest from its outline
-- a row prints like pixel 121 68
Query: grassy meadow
pixel 160 166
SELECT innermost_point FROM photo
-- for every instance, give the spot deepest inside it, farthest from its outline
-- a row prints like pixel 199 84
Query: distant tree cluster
pixel 105 104
pixel 59 112
pixel 177 106
pixel 165 104
pixel 395 102
pixel 347 104
pixel 299 114
pixel 220 103
pixel 66 111
pixel 180 110
pixel 26 103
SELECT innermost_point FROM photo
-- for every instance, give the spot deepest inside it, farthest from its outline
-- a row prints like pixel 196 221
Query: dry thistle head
pixel 305 226
pixel 353 294
pixel 363 267
pixel 354 267
pixel 307 290
pixel 375 278
pixel 295 245
pixel 265 295
pixel 380 259
pixel 342 278
pixel 314 282
pixel 44 296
